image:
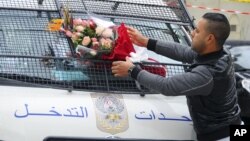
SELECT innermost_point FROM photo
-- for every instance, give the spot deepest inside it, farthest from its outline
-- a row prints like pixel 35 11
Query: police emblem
pixel 111 113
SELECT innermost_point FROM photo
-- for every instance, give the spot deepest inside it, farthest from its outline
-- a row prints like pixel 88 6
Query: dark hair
pixel 219 26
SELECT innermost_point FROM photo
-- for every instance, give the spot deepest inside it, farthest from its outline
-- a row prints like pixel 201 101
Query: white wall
pixel 242 21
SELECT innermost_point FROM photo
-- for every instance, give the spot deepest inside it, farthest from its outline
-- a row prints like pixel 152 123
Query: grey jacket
pixel 209 87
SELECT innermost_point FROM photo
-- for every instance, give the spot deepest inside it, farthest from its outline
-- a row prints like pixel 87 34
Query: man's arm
pixel 197 82
pixel 172 50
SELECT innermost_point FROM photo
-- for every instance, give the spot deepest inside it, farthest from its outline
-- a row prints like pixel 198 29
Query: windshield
pixel 31 54
pixel 241 56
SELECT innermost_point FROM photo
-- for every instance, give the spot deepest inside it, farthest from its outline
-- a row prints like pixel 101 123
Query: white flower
pixel 79 34
pixel 107 33
pixel 99 30
pixel 74 37
pixel 86 40
pixel 106 44
pixel 79 28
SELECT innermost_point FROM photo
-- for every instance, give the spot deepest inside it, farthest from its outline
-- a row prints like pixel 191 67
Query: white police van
pixel 46 95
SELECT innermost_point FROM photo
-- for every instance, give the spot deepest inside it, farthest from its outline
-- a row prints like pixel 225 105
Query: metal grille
pixel 31 55
pixel 161 10
pixel 139 9
pixel 71 73
pixel 24 33
pixel 28 4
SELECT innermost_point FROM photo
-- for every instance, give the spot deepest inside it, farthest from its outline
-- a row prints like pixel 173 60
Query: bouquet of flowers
pixel 98 38
pixel 91 38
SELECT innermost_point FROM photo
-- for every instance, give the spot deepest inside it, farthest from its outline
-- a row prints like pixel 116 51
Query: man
pixel 210 84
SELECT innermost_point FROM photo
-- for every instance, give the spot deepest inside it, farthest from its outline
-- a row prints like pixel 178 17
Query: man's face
pixel 198 36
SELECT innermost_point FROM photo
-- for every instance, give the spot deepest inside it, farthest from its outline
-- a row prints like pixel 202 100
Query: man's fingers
pixel 130 28
pixel 119 68
pixel 114 68
pixel 116 75
pixel 133 40
pixel 116 63
pixel 131 37
pixel 131 33
pixel 114 71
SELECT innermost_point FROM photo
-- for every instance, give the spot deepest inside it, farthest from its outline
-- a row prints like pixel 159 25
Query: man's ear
pixel 210 38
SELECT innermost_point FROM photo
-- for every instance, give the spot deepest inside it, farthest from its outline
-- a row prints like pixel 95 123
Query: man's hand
pixel 136 37
pixel 120 68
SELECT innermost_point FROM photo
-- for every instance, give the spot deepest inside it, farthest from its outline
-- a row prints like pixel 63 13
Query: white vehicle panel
pixel 32 114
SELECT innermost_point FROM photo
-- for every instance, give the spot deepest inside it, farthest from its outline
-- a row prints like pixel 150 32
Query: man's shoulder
pixel 219 65
pixel 222 65
pixel 224 61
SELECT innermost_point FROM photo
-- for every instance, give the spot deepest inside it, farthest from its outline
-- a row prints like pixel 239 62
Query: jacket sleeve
pixel 197 82
pixel 172 50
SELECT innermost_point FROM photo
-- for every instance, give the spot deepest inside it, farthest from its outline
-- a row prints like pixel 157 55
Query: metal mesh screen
pixel 24 33
pixel 28 4
pixel 31 55
pixel 74 74
pixel 163 10
pixel 152 29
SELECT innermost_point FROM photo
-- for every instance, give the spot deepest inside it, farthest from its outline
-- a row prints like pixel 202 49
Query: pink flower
pixel 68 33
pixel 94 39
pixel 92 24
pixel 102 40
pixel 77 21
pixel 86 40
pixel 107 33
pixel 84 23
pixel 95 45
pixel 79 28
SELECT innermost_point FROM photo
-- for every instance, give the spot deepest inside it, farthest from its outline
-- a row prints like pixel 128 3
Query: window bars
pixel 32 56
pixel 77 74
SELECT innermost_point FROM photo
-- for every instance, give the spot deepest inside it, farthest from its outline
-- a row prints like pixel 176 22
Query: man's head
pixel 211 33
